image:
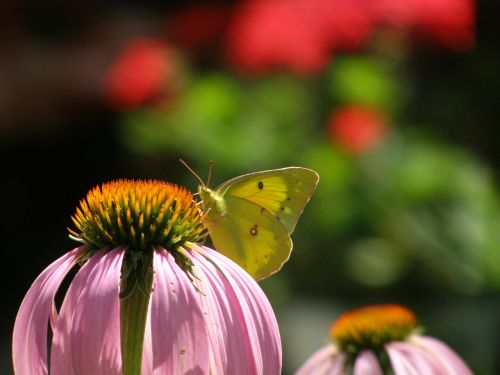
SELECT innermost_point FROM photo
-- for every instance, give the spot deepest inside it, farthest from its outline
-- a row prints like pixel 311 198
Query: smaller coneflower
pixel 146 297
pixel 382 339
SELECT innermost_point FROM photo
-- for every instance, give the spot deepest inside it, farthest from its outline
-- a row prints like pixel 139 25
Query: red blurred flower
pixel 269 34
pixel 357 129
pixel 140 73
pixel 301 35
pixel 450 23
pixel 347 24
pixel 197 25
pixel 297 35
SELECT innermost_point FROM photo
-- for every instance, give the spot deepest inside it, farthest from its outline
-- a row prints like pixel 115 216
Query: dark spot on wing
pixel 260 185
pixel 262 209
pixel 253 230
pixel 288 198
pixel 278 218
pixel 282 208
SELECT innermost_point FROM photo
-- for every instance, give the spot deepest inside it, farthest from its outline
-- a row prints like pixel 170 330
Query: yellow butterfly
pixel 250 218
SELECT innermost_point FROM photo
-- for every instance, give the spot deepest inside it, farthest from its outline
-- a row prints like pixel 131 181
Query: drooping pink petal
pixel 178 332
pixel 242 327
pixel 327 360
pixel 221 317
pixel 367 363
pixel 259 315
pixel 30 330
pixel 407 358
pixel 450 361
pixel 87 334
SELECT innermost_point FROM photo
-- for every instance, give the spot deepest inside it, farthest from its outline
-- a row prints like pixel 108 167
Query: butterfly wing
pixel 282 192
pixel 251 236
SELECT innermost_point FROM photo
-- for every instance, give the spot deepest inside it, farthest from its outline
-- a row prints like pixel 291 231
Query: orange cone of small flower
pixel 382 339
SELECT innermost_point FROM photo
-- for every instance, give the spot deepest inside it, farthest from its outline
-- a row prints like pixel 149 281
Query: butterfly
pixel 250 218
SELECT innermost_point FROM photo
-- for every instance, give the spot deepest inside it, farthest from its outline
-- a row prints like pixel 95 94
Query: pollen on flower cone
pixel 373 326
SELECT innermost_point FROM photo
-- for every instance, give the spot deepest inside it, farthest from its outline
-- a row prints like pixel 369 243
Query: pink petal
pixel 242 327
pixel 327 360
pixel 407 358
pixel 147 346
pixel 446 356
pixel 178 332
pixel 367 363
pixel 30 330
pixel 400 364
pixel 87 334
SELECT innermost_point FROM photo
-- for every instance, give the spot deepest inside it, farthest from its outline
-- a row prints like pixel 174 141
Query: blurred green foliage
pixel 239 125
pixel 367 80
pixel 412 208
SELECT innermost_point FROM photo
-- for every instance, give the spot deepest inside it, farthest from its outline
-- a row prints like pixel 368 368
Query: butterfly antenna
pixel 192 171
pixel 209 172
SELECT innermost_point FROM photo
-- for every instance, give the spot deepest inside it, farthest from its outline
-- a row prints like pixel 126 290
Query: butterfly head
pixel 205 193
pixel 210 199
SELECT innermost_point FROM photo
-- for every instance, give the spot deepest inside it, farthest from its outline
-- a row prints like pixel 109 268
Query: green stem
pixel 134 311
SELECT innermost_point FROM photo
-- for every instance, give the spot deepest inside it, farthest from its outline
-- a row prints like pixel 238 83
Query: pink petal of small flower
pixel 30 330
pixel 178 330
pixel 241 324
pixel 87 335
pixel 367 363
pixel 447 357
pixel 408 358
pixel 327 360
pixel 400 364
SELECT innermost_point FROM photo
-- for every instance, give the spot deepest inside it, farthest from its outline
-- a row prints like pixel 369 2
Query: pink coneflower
pixel 378 339
pixel 147 299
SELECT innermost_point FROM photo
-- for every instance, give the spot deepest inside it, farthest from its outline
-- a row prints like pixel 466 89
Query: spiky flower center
pixel 372 327
pixel 137 215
